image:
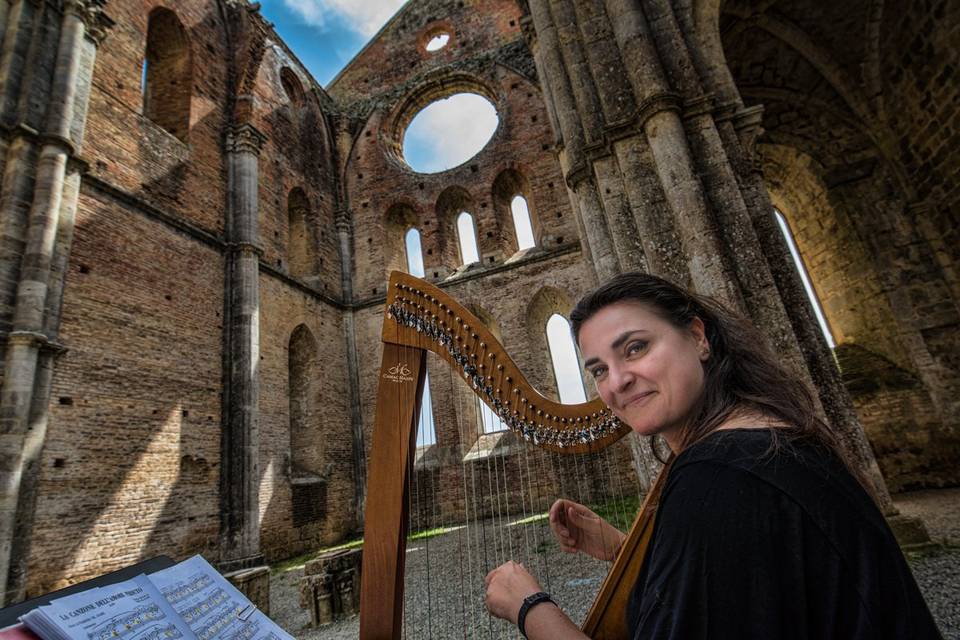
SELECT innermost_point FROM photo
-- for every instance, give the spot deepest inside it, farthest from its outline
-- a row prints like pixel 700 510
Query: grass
pixel 619 513
pixel 298 562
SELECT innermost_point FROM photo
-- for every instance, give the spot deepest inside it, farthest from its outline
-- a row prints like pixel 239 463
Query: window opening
pixel 414 253
pixel 448 132
pixel 521 223
pixel 468 238
pixel 438 41
pixel 426 430
pixel 566 366
pixel 489 420
pixel 804 277
pixel 143 80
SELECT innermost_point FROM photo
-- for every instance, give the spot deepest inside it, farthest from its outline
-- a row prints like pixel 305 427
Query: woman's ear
pixel 699 332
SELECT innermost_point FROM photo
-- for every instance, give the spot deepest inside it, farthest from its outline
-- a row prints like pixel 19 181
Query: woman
pixel 763 529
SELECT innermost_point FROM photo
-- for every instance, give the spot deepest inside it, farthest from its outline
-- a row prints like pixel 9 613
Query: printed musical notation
pixel 212 607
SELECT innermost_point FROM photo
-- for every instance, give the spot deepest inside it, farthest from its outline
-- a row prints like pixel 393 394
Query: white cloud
pixel 364 17
pixel 449 132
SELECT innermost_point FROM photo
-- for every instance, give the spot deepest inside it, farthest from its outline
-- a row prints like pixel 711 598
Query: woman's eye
pixel 598 372
pixel 636 347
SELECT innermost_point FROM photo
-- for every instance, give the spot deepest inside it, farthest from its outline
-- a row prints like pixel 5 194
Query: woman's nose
pixel 621 378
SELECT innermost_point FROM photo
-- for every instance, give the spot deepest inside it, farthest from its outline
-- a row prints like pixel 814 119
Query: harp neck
pixel 421 315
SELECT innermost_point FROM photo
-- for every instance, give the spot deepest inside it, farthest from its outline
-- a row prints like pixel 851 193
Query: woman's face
pixel 648 372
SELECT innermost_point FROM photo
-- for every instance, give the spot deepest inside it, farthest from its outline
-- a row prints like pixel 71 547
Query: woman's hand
pixel 507 586
pixel 577 528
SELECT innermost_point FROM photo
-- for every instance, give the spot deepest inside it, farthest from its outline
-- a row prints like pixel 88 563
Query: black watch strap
pixel 529 603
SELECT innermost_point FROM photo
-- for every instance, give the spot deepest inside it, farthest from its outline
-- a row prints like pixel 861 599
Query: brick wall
pixel 130 468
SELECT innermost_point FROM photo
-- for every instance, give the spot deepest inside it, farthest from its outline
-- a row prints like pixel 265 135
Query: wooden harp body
pixel 419 317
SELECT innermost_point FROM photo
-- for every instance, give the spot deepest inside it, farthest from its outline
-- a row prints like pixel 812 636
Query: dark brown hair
pixel 741 373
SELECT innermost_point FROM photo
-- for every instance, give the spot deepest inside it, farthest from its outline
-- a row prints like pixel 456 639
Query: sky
pixel 327 34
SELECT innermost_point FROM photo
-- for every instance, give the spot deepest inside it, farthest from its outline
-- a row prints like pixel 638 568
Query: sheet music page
pixel 130 610
pixel 214 608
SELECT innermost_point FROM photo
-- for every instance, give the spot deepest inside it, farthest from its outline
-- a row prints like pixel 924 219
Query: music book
pixel 189 601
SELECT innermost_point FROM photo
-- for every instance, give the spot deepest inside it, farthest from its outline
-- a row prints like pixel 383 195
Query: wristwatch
pixel 528 603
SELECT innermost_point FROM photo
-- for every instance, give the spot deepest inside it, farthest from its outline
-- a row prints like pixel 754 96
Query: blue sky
pixel 326 34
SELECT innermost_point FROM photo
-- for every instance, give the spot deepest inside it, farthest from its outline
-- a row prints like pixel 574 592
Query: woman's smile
pixel 638 399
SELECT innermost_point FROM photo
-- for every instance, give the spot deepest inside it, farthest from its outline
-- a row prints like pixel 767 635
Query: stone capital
pixel 657 103
pixel 245 138
pixel 748 123
pixel 698 106
pixel 578 174
pixel 27 338
pixel 91 13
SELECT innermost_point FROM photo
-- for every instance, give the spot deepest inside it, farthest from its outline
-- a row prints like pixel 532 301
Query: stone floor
pixel 937 572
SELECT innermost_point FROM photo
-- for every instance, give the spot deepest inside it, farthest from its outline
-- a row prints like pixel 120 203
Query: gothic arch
pixel 168 72
pixel 398 219
pixel 545 303
pixel 306 455
pixel 301 249
pixel 508 184
pixel 450 203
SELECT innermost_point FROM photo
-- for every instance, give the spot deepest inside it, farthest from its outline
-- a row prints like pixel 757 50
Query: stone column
pixel 345 235
pixel 30 343
pixel 240 474
pixel 593 224
pixel 659 116
pixel 17 36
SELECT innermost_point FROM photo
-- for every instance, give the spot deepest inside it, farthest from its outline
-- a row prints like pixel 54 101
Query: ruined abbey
pixel 195 239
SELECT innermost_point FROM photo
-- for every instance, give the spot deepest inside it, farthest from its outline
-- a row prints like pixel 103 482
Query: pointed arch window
pixel 566 366
pixel 414 252
pixel 426 429
pixel 469 251
pixel 521 223
pixel 804 277
pixel 166 77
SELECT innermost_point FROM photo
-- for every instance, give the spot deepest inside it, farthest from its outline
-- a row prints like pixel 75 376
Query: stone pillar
pixel 17 36
pixel 345 235
pixel 46 239
pixel 593 224
pixel 240 475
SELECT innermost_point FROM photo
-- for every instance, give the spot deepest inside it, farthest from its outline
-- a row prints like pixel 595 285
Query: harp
pixel 419 317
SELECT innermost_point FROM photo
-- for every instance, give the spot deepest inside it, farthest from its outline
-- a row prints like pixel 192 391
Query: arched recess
pixel 399 218
pixel 168 73
pixel 486 420
pixel 301 249
pixel 306 454
pixel 507 186
pixel 291 86
pixel 544 304
pixel 567 373
pixel 450 203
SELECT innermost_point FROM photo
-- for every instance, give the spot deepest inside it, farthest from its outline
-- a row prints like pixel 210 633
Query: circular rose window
pixel 448 132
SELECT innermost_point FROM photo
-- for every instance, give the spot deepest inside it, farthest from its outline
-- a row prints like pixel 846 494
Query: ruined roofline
pixel 374 37
pixel 314 85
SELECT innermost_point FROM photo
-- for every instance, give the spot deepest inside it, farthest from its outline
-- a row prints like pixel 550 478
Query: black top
pixel 749 544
